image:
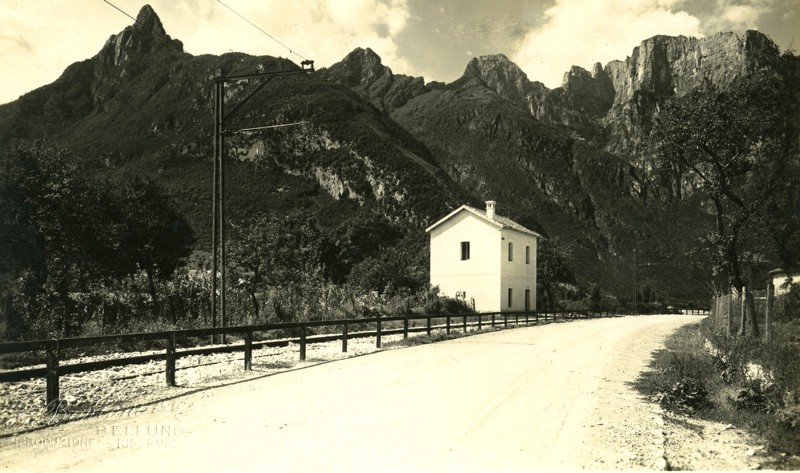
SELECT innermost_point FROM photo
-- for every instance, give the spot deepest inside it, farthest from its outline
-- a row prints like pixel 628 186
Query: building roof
pixel 786 272
pixel 499 221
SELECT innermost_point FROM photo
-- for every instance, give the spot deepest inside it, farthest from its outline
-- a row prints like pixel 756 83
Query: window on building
pixel 510 251
pixel 527 255
pixel 464 250
pixel 510 297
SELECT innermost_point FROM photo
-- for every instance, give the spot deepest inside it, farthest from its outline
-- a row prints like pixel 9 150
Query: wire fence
pixel 726 309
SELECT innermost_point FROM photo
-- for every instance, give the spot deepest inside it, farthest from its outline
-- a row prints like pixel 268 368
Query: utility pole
pixel 215 198
pixel 218 187
pixel 635 289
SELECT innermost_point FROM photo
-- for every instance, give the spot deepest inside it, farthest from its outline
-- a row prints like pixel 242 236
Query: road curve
pixel 534 398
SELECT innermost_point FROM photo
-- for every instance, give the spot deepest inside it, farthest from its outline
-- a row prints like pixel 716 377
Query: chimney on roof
pixel 490 209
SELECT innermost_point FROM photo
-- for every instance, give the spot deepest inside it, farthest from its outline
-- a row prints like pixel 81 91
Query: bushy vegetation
pixel 88 256
pixel 746 382
pixel 68 240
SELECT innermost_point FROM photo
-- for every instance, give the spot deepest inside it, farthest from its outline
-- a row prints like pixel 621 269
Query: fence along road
pixel 516 400
pixel 532 398
pixel 52 347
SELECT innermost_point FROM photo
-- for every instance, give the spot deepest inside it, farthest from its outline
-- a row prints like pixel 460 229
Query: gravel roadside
pixel 120 390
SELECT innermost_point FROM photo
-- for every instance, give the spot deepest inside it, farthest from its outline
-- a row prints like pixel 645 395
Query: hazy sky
pixel 429 38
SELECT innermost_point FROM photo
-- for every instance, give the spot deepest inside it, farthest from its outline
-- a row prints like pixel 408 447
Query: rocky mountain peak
pixel 147 20
pixel 145 36
pixel 360 67
pixel 594 90
pixel 363 71
pixel 499 74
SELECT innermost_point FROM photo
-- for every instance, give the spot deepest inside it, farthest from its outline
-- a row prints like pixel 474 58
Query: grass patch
pixel 748 383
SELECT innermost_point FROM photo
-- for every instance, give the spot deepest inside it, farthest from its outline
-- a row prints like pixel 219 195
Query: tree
pixel 355 240
pixel 274 250
pixel 733 145
pixel 46 234
pixel 143 232
pixel 552 268
pixel 389 272
pixel 61 231
pixel 783 213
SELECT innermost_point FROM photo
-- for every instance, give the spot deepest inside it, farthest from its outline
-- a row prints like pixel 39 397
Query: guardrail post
pixel 493 320
pixel 465 324
pixel 344 338
pixel 516 320
pixel 429 325
pixel 505 320
pixel 378 334
pixel 526 318
pixel 302 342
pixel 51 355
pixel 405 327
pixel 480 322
pixel 448 324
pixel 248 350
pixel 171 359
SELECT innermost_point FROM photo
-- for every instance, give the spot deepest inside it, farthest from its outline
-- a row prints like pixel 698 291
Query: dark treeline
pixel 85 256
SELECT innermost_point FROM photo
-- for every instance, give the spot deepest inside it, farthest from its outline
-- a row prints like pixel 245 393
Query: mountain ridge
pixel 561 161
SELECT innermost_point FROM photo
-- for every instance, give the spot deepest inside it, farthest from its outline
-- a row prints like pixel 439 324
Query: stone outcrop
pixel 362 71
pixel 663 67
pixel 145 36
pixel 501 75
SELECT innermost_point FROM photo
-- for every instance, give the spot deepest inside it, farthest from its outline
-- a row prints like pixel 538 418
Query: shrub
pixel 751 398
pixel 455 306
pixel 789 414
pixel 688 394
pixel 787 306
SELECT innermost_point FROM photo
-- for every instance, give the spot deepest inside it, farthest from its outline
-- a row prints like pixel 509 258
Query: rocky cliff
pixel 362 71
pixel 568 158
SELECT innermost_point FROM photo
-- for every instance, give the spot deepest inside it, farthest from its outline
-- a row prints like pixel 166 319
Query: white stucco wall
pixel 478 276
pixel 488 274
pixel 516 274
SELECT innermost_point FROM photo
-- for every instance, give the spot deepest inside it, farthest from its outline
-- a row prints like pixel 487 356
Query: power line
pixel 135 20
pixel 120 10
pixel 268 127
pixel 261 30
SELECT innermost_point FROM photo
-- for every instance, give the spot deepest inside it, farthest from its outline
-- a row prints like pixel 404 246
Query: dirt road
pixel 534 398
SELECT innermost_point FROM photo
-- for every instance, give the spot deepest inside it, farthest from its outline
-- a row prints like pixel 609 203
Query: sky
pixel 434 39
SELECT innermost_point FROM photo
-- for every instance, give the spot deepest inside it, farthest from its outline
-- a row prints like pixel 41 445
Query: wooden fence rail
pixel 52 348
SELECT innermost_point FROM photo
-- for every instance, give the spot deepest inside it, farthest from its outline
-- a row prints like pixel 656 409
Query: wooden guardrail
pixel 52 348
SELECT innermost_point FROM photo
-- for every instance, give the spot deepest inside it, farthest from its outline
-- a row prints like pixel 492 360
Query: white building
pixel 485 259
pixel 783 279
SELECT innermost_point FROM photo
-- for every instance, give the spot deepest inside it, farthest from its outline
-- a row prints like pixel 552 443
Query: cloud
pixel 322 30
pixel 740 15
pixel 13 41
pixel 40 39
pixel 579 32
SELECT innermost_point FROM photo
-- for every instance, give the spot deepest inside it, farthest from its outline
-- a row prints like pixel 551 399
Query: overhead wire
pixel 135 20
pixel 120 10
pixel 291 51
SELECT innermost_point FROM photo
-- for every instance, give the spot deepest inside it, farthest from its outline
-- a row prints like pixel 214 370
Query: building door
pixel 527 300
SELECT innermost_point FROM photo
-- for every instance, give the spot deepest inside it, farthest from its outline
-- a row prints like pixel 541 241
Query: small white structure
pixel 783 279
pixel 485 259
